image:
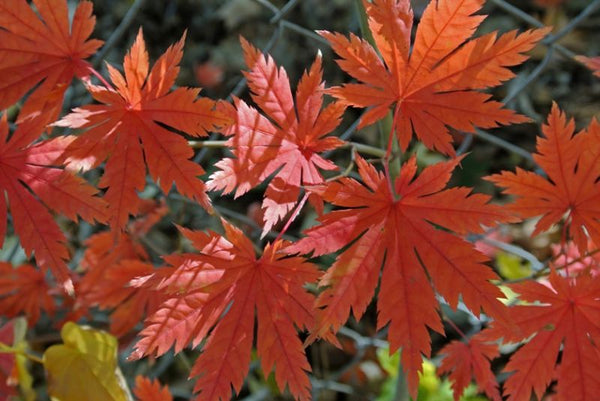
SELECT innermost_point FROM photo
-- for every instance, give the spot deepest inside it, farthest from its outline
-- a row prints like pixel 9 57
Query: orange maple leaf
pixel 572 165
pixel 150 390
pixel 566 313
pixel 222 287
pixel 463 360
pixel 436 85
pixel 46 50
pixel 288 147
pixel 400 232
pixel 124 129
pixel 24 290
pixel 593 63
pixel 33 180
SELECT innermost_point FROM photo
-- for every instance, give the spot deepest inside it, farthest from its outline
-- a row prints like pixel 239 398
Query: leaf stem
pixel 6 349
pixel 292 217
pixel 104 82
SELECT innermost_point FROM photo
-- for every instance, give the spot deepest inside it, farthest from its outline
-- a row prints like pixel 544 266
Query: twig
pixel 370 150
pixel 586 12
pixel 269 5
pixel 283 12
pixel 303 31
pixel 536 265
pixel 117 33
pixel 531 21
pixel 207 144
pixel 530 78
pixel 504 144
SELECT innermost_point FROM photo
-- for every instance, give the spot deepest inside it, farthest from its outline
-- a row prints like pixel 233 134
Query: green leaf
pixel 84 367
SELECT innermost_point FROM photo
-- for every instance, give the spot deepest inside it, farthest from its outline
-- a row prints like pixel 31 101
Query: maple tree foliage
pixel 289 146
pixel 395 229
pixel 593 63
pixel 572 165
pixel 24 290
pixel 150 390
pixel 226 278
pixel 566 312
pixel 123 130
pixel 402 238
pixel 111 264
pixel 436 85
pixel 463 360
pixel 33 181
pixel 44 49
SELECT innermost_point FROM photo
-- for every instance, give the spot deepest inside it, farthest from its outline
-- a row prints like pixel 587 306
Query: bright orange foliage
pixel 123 130
pixel 436 85
pixel 46 50
pixel 398 228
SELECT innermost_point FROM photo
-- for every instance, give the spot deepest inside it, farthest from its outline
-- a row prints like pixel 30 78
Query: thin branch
pixel 283 12
pixel 536 265
pixel 530 78
pixel 269 5
pixel 303 31
pixel 586 12
pixel 504 144
pixel 207 144
pixel 118 33
pixel 370 150
pixel 509 8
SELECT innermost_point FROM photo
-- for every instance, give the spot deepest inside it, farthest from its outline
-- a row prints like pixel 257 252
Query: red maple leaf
pixel 289 146
pixel 43 48
pixel 24 290
pixel 124 129
pixel 150 390
pixel 436 85
pixel 33 180
pixel 572 165
pixel 220 289
pixel 567 313
pixel 400 231
pixel 112 264
pixel 463 360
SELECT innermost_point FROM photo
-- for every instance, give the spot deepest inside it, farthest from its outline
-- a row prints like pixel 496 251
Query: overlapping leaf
pixel 593 63
pixel 288 144
pixel 220 289
pixel 150 390
pixel 400 232
pixel 124 129
pixel 463 360
pixel 572 165
pixel 33 181
pixel 567 314
pixel 111 263
pixel 436 85
pixel 44 49
pixel 24 290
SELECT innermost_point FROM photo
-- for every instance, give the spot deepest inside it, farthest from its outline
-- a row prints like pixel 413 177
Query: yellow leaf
pixel 84 367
